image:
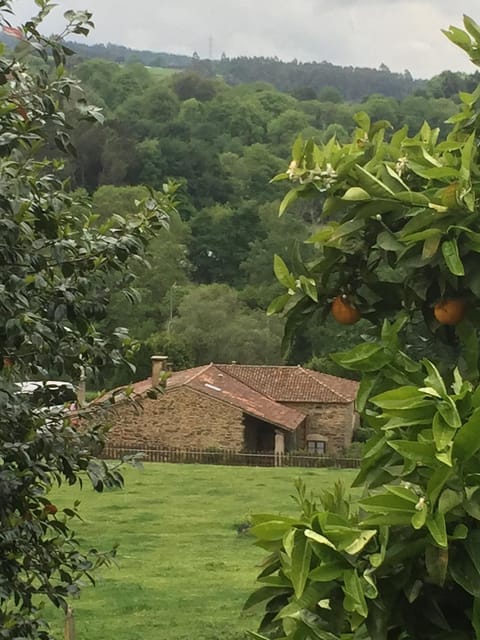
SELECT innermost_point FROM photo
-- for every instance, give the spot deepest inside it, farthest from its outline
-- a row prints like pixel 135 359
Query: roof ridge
pixel 325 386
pixel 199 370
pixel 258 366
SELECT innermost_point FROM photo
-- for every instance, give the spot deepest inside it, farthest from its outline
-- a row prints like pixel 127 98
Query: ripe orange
pixel 343 311
pixel 51 509
pixel 450 311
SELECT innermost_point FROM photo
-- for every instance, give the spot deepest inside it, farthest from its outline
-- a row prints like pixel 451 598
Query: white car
pixel 56 396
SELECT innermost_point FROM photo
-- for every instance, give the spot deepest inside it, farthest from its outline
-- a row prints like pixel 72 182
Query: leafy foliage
pixel 58 267
pixel 401 559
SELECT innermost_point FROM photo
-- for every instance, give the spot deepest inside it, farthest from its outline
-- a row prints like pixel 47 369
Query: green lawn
pixel 183 571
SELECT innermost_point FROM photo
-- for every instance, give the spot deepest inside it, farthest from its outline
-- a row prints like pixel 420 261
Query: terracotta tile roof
pixel 258 390
pixel 214 382
pixel 294 384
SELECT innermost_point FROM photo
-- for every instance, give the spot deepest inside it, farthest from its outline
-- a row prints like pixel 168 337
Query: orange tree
pixel 399 246
pixel 59 265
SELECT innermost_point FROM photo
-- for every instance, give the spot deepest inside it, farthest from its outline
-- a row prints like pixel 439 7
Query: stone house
pixel 238 407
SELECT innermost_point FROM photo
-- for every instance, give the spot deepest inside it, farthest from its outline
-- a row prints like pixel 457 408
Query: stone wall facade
pixel 185 418
pixel 181 418
pixel 330 423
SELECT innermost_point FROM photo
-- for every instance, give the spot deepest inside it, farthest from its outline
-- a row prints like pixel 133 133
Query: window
pixel 317 446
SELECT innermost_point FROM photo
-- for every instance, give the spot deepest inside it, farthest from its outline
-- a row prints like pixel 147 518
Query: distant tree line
pixel 210 277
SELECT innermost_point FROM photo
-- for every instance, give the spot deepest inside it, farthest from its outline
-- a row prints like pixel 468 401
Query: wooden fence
pixel 230 458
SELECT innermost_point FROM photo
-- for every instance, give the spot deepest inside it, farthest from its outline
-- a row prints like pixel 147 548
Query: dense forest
pixel 210 279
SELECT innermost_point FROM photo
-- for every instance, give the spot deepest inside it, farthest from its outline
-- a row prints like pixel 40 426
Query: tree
pixel 402 561
pixel 220 242
pixel 217 327
pixel 57 271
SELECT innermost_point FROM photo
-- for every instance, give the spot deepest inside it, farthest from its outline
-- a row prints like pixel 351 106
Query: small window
pixel 317 446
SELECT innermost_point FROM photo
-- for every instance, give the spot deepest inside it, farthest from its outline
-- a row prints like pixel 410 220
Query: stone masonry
pixel 333 421
pixel 181 418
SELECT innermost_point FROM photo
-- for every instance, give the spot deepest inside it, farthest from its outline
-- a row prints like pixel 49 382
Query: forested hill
pixel 211 276
pixel 305 79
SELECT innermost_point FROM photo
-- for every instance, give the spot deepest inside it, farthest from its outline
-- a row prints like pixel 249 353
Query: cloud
pixel 400 33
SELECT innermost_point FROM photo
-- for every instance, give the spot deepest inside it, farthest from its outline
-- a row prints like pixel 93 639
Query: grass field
pixel 162 72
pixel 183 571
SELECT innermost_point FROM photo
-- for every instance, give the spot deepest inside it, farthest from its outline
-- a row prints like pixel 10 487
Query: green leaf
pixel 419 518
pixel 426 234
pixel 436 482
pixel 467 157
pixel 449 499
pixel 474 30
pixel 400 518
pixel 459 38
pixel 388 242
pixel 470 349
pixel 437 528
pixel 472 546
pixel 387 503
pixel 260 595
pixel 413 198
pixel 354 595
pixel 282 273
pixel 452 257
pixel 372 185
pixel 420 452
pixel 434 379
pixel 328 571
pixel 301 556
pixel 467 441
pixel 360 541
pixel 297 149
pixel 408 397
pixel 345 229
pixel 432 173
pixel 443 433
pixel 356 194
pixel 363 120
pixel 436 561
pixel 272 530
pixel 312 626
pixel 277 305
pixel 464 572
pixel 367 384
pixel 403 492
pixel 472 505
pixel 317 537
pixel 289 198
pixel 476 617
pixel 309 286
pixel 367 356
pixel 310 597
pixel 449 412
pixel 323 235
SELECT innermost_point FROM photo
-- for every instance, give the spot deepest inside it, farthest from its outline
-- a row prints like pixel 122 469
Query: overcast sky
pixel 403 34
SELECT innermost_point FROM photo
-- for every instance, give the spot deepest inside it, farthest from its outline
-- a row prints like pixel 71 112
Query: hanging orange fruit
pixel 343 311
pixel 450 311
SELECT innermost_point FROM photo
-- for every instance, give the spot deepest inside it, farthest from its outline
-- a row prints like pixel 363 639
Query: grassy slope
pixel 183 570
pixel 162 72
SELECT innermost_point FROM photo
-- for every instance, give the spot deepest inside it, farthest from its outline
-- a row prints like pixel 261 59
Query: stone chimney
pixel 159 366
pixel 82 390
